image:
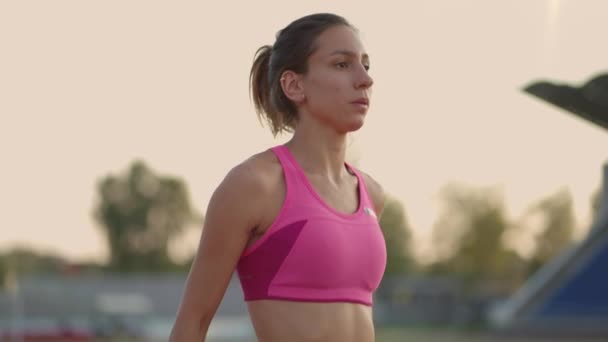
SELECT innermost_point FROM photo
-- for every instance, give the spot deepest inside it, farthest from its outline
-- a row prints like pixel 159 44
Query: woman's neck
pixel 319 151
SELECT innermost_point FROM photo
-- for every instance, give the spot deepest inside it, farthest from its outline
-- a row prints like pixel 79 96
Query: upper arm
pixel 376 192
pixel 231 215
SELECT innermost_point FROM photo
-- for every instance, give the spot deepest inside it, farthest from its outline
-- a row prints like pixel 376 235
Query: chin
pixel 349 122
pixel 354 125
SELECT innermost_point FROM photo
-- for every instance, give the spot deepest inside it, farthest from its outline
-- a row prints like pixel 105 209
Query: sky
pixel 87 87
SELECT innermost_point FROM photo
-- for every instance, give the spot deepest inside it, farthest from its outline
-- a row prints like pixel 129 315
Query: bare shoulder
pixel 376 192
pixel 258 173
pixel 250 183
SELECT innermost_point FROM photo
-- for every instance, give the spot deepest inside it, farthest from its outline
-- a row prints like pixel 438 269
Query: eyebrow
pixel 349 53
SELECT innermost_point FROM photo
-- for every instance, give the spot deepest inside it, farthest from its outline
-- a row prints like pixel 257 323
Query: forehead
pixel 338 38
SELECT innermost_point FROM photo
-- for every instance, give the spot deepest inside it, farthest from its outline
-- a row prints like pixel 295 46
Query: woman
pixel 298 223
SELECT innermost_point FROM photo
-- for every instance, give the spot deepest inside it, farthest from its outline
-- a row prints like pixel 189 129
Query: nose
pixel 364 80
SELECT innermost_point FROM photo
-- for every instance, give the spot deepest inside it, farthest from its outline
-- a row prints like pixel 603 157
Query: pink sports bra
pixel 312 252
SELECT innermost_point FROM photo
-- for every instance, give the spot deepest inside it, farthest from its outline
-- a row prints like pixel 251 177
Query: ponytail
pixel 262 92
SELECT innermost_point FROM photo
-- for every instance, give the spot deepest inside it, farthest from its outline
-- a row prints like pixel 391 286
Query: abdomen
pixel 279 321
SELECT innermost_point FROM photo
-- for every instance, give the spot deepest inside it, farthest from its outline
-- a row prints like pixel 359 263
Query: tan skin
pixel 249 198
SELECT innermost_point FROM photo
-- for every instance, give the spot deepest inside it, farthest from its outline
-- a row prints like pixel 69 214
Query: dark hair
pixel 293 45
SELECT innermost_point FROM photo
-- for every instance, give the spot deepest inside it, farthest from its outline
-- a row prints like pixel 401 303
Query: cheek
pixel 326 93
pixel 328 81
pixel 329 92
pixel 326 101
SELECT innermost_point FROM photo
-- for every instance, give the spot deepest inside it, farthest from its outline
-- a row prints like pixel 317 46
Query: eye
pixel 342 65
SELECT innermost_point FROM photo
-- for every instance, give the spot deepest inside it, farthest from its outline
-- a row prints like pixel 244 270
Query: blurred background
pixel 488 130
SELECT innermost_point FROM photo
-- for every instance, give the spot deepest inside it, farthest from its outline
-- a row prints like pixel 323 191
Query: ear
pixel 291 83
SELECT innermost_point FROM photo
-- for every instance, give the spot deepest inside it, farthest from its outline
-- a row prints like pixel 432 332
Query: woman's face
pixel 337 86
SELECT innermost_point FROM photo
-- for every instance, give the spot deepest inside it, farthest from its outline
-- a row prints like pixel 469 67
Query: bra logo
pixel 369 211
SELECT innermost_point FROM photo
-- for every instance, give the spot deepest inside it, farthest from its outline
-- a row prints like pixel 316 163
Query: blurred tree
pixel 398 236
pixel 25 260
pixel 140 213
pixel 468 238
pixel 596 203
pixel 22 260
pixel 557 227
pixel 3 271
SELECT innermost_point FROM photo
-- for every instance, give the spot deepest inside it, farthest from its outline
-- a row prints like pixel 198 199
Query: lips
pixel 362 101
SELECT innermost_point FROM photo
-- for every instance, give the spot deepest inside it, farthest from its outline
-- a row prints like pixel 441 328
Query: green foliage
pixel 3 271
pixel 596 203
pixel 26 260
pixel 140 213
pixel 468 238
pixel 397 235
pixel 557 228
pixel 23 260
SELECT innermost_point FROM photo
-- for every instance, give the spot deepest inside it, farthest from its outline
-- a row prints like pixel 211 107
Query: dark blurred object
pixel 589 101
